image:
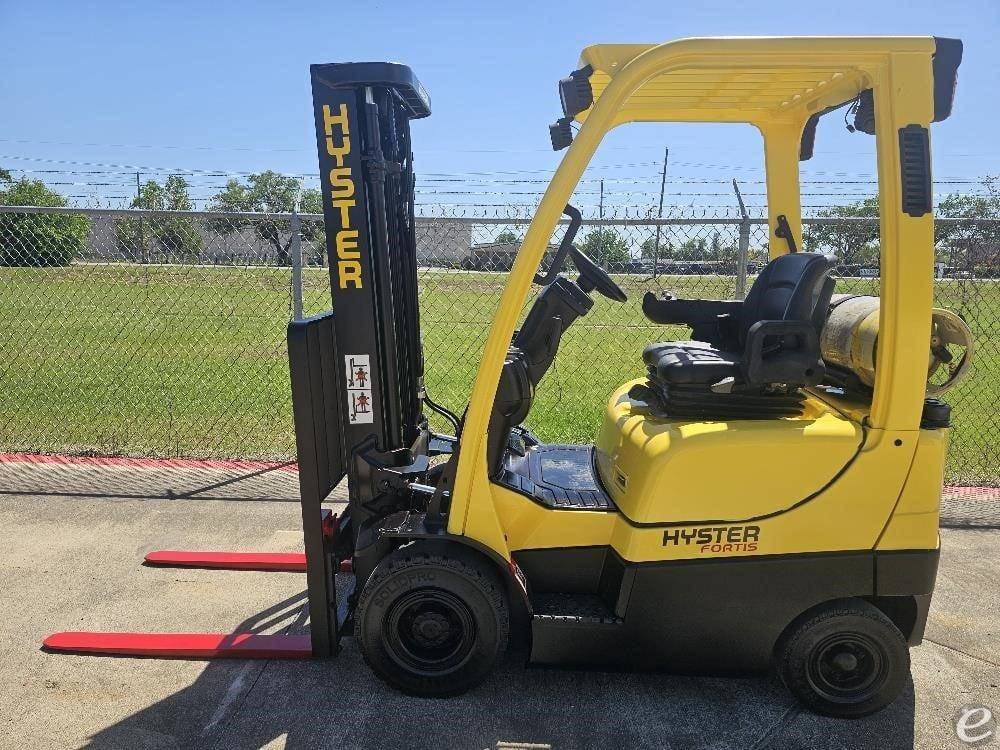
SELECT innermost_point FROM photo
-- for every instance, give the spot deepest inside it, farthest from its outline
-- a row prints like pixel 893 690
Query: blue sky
pixel 224 86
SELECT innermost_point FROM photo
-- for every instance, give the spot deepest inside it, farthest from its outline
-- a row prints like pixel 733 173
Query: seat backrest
pixel 822 308
pixel 790 287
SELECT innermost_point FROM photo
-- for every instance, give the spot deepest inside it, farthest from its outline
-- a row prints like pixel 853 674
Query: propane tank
pixel 849 342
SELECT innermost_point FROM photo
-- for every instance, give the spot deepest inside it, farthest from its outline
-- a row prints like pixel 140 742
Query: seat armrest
pixel 783 351
pixel 687 311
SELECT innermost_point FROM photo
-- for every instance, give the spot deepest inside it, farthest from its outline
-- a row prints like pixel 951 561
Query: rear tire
pixel 845 659
pixel 432 621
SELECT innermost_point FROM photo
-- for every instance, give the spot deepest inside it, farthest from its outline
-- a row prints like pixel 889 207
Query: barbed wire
pixel 101 184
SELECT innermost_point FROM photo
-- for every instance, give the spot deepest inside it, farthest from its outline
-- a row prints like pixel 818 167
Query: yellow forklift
pixel 763 495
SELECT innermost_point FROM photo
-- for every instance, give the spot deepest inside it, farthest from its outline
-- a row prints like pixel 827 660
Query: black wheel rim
pixel 847 668
pixel 429 632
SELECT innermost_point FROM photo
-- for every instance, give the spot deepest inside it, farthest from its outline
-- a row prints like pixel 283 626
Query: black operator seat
pixel 741 352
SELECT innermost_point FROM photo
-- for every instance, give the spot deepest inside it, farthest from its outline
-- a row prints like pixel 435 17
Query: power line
pixel 131 168
pixel 166 146
pixel 652 181
pixel 276 148
pixel 608 180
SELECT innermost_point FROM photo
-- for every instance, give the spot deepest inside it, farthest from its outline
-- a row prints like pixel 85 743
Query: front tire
pixel 432 621
pixel 846 659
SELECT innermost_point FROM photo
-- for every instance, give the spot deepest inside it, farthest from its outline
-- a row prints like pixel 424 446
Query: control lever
pixel 575 220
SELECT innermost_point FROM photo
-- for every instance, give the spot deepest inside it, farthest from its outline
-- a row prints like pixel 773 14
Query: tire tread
pixel 458 562
pixel 791 659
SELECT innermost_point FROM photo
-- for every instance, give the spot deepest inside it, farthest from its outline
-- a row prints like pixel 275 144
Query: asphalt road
pixel 71 539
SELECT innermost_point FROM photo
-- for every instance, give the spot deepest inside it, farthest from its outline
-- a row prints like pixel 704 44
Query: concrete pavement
pixel 72 538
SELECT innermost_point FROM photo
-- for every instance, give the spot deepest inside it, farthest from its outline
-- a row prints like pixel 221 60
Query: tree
pixel 726 254
pixel 176 236
pixel 507 237
pixel 694 248
pixel 648 248
pixel 38 239
pixel 268 192
pixel 969 243
pixel 606 247
pixel 853 242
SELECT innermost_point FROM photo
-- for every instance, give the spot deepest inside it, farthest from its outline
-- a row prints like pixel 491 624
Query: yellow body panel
pixel 529 525
pixel 660 470
pixel 914 522
pixel 775 84
pixel 850 513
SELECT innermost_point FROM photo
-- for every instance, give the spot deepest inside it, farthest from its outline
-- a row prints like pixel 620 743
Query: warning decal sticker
pixel 359 389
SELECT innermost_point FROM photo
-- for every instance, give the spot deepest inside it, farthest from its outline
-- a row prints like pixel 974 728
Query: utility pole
pixel 744 246
pixel 659 212
pixel 600 230
pixel 142 230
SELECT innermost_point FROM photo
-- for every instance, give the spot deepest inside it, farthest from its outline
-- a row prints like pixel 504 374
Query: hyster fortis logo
pixel 715 538
pixel 338 145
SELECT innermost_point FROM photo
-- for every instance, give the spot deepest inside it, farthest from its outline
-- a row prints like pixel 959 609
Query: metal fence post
pixel 744 247
pixel 296 253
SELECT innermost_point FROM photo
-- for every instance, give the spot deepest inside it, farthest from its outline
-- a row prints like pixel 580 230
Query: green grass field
pixel 191 360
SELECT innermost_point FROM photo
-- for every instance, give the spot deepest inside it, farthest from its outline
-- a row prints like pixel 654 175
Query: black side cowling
pixel 947 58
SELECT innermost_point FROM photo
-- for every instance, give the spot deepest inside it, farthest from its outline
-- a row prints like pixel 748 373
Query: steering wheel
pixel 592 277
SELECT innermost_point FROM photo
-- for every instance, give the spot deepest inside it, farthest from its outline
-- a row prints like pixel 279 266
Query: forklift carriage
pixel 764 495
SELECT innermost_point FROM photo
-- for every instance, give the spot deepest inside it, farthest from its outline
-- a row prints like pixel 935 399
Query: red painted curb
pixel 970 493
pixel 147 463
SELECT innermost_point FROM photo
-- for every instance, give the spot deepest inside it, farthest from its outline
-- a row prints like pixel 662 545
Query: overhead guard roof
pixel 750 79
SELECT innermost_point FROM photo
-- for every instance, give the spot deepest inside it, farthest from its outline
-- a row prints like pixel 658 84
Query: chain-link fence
pixel 163 333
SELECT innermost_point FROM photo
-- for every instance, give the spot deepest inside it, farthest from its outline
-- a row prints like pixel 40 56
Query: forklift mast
pixel 357 370
pixel 363 113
